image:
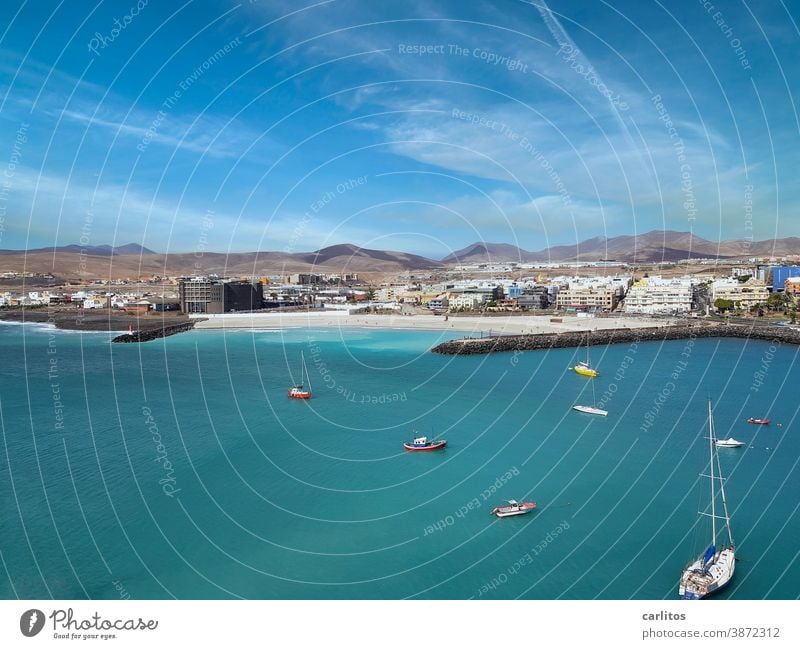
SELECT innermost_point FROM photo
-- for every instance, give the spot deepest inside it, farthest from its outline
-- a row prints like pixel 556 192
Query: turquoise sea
pixel 179 468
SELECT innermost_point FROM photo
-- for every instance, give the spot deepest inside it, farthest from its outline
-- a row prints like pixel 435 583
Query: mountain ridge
pixel 653 246
pixel 135 260
pixel 100 250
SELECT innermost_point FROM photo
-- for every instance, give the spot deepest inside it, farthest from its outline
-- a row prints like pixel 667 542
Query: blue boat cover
pixel 709 555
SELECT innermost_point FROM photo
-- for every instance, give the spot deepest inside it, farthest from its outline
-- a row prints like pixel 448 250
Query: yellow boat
pixel 584 370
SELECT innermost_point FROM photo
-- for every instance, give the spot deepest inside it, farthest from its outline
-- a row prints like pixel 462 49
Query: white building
pixel 656 295
pixel 94 302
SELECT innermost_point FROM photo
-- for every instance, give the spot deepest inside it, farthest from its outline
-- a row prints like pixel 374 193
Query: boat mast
pixel 305 370
pixel 711 467
pixel 587 349
pixel 724 501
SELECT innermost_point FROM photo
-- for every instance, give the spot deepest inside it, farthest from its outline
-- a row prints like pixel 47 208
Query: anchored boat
pixel 728 443
pixel 423 444
pixel 583 367
pixel 299 390
pixel 591 410
pixel 763 422
pixel 712 570
pixel 513 508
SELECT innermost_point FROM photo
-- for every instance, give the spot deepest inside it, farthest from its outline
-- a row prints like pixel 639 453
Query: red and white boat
pixel 513 508
pixel 763 422
pixel 423 444
pixel 299 391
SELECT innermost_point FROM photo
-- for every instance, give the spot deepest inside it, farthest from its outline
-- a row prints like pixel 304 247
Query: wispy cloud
pixel 205 134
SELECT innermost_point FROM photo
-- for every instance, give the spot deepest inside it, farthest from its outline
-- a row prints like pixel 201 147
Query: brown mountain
pixel 101 251
pixel 484 253
pixel 347 254
pixel 69 262
pixel 657 245
pixel 133 261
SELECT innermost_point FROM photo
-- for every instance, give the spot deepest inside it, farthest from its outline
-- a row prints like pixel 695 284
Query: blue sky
pixel 417 126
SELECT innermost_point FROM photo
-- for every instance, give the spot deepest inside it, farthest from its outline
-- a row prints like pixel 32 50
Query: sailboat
pixel 299 391
pixel 593 409
pixel 582 367
pixel 712 570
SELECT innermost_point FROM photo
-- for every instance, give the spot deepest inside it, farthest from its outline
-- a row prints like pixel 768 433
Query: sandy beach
pixel 474 325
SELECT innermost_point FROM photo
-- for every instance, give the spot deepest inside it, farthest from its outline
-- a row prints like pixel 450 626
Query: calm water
pixel 179 468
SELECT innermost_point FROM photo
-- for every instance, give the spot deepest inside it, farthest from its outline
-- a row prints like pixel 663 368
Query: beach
pixel 477 325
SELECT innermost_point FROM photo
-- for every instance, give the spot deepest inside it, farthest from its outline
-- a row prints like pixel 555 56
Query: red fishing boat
pixel 423 444
pixel 763 422
pixel 513 508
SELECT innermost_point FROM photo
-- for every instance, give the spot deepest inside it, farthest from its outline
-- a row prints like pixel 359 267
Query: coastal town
pixel 755 290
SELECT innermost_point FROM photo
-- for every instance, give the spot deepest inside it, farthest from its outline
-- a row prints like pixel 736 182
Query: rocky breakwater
pixel 616 336
pixel 144 335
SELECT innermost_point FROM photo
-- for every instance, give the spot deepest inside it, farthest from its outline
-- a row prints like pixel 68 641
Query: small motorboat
pixel 591 410
pixel 763 422
pixel 423 444
pixel 513 508
pixel 728 443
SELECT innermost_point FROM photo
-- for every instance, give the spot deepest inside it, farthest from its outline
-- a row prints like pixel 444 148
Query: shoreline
pixel 480 334
pixel 476 325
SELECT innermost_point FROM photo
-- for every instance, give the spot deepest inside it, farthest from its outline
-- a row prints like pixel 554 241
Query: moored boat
pixel 424 444
pixel 591 410
pixel 299 390
pixel 712 570
pixel 753 420
pixel 513 508
pixel 728 443
pixel 583 368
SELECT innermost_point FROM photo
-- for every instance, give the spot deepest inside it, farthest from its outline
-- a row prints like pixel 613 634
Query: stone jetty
pixel 144 335
pixel 772 334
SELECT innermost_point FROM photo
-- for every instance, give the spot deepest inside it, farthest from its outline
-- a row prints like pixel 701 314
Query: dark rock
pixel 615 336
pixel 153 334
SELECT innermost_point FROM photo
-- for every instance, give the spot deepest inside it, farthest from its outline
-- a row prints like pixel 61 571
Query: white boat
pixel 513 508
pixel 712 570
pixel 728 443
pixel 591 410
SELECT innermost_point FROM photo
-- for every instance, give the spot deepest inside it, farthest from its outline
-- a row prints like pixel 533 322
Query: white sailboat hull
pixel 697 583
pixel 589 410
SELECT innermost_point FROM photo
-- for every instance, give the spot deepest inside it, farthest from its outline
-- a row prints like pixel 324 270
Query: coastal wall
pixel 616 336
pixel 153 334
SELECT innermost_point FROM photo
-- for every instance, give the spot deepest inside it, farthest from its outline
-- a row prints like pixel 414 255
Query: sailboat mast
pixel 711 467
pixel 724 501
pixel 307 377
